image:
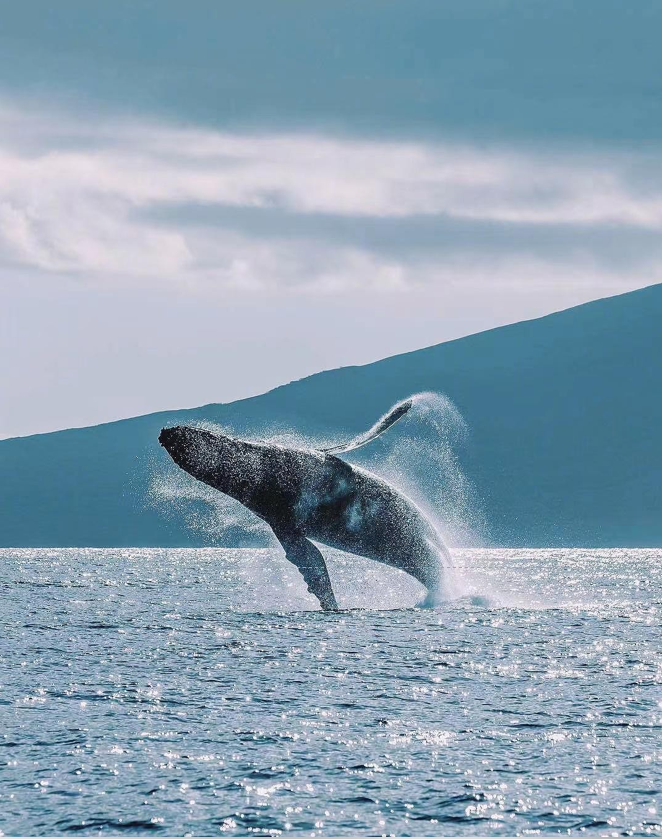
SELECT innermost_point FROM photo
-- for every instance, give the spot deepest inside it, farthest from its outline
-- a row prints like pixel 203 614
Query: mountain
pixel 564 441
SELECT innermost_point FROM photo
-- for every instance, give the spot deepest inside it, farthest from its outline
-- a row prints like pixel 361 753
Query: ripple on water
pixel 157 691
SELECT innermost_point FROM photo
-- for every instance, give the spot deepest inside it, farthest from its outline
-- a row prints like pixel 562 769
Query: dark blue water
pixel 148 691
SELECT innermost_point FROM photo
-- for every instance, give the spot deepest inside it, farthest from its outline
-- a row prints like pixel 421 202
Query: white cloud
pixel 80 195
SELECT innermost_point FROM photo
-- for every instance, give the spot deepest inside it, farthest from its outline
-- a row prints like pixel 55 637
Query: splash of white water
pixel 420 457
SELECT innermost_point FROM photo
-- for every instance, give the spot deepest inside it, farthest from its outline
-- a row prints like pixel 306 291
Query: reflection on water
pixel 175 691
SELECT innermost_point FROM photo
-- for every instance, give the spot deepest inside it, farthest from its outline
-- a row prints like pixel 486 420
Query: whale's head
pixel 215 459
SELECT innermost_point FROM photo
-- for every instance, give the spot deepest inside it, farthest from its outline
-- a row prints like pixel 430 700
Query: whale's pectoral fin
pixel 310 562
pixel 397 412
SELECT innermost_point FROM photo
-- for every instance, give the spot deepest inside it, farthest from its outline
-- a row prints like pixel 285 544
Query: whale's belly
pixel 376 521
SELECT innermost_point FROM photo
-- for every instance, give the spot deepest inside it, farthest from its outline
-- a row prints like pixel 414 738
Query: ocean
pixel 148 691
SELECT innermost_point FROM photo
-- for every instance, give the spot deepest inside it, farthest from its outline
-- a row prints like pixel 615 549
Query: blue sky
pixel 200 201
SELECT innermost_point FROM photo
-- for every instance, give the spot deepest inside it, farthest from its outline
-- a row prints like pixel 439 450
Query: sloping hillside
pixel 565 444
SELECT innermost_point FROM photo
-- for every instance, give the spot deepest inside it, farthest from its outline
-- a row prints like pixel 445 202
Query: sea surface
pixel 202 691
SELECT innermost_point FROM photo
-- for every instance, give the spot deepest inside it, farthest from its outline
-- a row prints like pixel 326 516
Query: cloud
pixel 125 201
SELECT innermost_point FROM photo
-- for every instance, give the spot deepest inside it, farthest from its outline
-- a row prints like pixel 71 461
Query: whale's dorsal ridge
pixel 396 413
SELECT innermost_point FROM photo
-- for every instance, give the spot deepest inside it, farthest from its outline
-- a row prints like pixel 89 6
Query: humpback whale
pixel 310 494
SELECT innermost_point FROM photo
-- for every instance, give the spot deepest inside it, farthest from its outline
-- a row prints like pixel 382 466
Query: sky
pixel 200 201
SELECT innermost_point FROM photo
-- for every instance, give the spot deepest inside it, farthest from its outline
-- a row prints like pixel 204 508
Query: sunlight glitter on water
pixel 202 691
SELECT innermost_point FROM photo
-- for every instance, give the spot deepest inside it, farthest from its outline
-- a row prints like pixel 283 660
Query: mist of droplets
pixel 205 511
pixel 420 456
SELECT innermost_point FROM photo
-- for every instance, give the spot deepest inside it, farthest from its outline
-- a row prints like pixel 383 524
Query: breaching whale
pixel 305 494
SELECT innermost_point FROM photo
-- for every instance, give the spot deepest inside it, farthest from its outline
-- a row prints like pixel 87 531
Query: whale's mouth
pixel 189 447
pixel 173 440
pixel 165 436
pixel 201 454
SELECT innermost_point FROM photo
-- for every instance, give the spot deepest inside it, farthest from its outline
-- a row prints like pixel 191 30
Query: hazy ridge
pixel 564 448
